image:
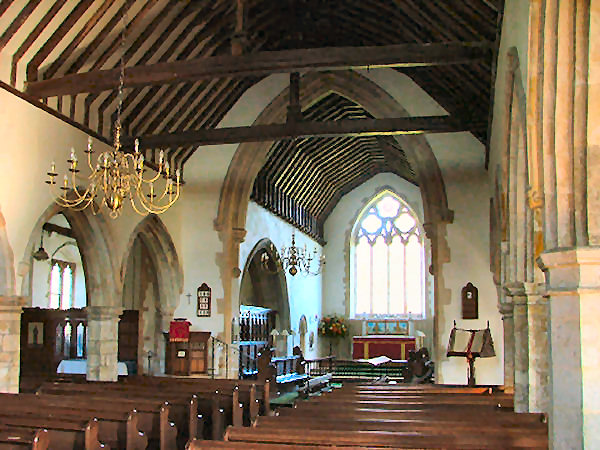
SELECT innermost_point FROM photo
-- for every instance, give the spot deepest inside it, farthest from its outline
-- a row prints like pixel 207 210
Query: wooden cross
pixel 189 296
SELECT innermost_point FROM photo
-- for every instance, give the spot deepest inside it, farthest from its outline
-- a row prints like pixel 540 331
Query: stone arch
pixel 250 157
pixel 92 234
pixel 153 233
pixel 272 279
pixel 165 284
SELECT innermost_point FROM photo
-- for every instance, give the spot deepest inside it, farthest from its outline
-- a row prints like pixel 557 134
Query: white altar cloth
pixel 79 366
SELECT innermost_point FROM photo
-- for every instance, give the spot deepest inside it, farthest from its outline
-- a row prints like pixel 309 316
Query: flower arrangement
pixel 333 326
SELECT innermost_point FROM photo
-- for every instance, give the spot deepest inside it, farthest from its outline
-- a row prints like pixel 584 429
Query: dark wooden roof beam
pixel 265 63
pixel 276 132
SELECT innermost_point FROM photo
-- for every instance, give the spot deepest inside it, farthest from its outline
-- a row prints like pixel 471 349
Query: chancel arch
pixel 250 157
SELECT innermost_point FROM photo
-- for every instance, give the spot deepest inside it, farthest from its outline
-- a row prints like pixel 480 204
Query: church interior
pixel 378 212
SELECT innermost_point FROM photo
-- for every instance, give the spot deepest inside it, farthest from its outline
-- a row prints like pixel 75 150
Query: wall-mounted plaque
pixel 470 301
pixel 204 295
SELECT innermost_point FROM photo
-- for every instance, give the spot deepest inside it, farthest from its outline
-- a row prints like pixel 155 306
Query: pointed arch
pixel 271 280
pixel 92 234
pixel 155 236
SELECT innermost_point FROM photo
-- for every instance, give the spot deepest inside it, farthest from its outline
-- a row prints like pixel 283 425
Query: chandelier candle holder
pixel 116 176
pixel 297 259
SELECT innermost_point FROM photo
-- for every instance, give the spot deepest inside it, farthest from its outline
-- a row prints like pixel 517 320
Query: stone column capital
pixel 12 303
pixel 238 235
pixel 103 312
pixel 571 270
pixel 515 290
pixel 506 309
pixel 534 288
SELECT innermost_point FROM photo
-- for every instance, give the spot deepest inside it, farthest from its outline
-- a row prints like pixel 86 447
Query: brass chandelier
pixel 293 259
pixel 116 177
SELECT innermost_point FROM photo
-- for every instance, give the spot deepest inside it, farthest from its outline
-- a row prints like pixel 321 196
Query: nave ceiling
pixel 49 39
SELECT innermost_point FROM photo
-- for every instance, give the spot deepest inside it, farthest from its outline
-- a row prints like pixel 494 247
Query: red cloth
pixel 393 346
pixel 179 331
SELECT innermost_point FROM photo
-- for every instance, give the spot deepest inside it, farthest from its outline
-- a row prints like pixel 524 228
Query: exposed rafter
pixel 265 63
pixel 276 132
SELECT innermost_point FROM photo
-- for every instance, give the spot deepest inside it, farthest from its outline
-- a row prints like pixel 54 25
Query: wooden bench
pixel 197 444
pixel 248 393
pixel 370 424
pixel 161 414
pixel 62 433
pixel 118 426
pixel 23 438
pixel 181 411
pixel 441 438
pixel 442 415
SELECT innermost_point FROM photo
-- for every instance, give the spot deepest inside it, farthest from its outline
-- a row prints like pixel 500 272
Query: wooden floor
pixel 393 416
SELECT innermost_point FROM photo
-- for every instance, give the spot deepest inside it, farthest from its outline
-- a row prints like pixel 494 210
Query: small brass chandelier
pixel 297 259
pixel 116 176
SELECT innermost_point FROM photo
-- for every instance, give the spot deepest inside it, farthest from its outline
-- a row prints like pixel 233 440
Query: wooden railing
pixel 357 370
pixel 319 366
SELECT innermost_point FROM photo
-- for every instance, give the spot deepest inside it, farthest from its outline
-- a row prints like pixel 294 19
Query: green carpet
pixel 285 399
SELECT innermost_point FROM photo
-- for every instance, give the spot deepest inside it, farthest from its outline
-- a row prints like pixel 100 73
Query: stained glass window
pixel 61 284
pixel 389 260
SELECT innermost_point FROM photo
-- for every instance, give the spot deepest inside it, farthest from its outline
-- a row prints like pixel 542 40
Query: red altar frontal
pixel 394 347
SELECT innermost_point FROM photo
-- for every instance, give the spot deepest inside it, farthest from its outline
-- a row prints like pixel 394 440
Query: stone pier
pixel 102 343
pixel 10 335
pixel 506 309
pixel 519 300
pixel 573 287
pixel 537 320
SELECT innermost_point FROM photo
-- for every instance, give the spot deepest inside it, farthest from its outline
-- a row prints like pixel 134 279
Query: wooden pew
pixel 246 395
pixel 118 426
pixel 197 444
pixel 421 425
pixel 441 438
pixel 159 418
pixel 23 438
pixel 180 412
pixel 443 415
pixel 61 433
pixel 257 394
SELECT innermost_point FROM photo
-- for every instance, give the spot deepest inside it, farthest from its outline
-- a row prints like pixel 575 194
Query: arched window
pixel 61 284
pixel 388 264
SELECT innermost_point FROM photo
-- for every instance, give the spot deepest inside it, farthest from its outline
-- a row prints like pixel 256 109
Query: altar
pixel 393 346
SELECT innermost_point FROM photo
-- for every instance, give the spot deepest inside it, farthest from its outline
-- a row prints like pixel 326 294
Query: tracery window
pixel 61 284
pixel 388 260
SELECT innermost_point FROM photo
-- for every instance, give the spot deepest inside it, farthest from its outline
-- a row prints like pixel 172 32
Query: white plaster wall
pixel 304 292
pixel 198 244
pixel 468 238
pixel 31 139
